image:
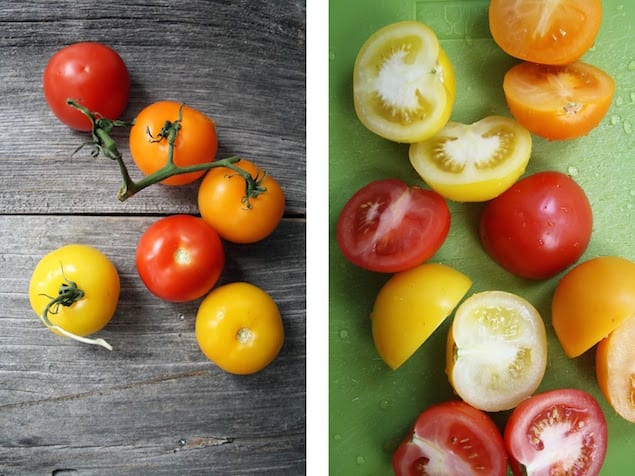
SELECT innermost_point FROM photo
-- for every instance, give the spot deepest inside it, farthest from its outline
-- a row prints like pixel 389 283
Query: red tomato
pixel 452 438
pixel 93 75
pixel 180 258
pixel 388 226
pixel 557 432
pixel 539 226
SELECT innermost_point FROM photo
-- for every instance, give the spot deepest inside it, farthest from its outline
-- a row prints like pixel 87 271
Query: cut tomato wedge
pixel 558 102
pixel 497 350
pixel 387 226
pixel 547 32
pixel 615 368
pixel 557 432
pixel 475 162
pixel 452 438
pixel 403 83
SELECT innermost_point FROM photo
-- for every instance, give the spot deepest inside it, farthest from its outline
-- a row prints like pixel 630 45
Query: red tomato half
pixel 452 438
pixel 93 75
pixel 180 258
pixel 388 226
pixel 557 432
pixel 539 226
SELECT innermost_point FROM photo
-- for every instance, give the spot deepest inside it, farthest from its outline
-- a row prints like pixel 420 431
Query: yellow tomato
pixel 411 305
pixel 403 83
pixel 615 368
pixel 75 290
pixel 473 162
pixel 497 350
pixel 239 328
pixel 591 301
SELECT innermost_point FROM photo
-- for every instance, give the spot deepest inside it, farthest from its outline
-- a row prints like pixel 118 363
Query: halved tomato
pixel 591 301
pixel 557 432
pixel 452 438
pixel 475 162
pixel 497 350
pixel 615 368
pixel 387 226
pixel 558 102
pixel 411 305
pixel 403 83
pixel 548 32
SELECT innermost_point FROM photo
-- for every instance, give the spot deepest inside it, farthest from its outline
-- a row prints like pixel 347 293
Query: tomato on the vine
pixel 452 438
pixel 237 214
pixel 557 432
pixel 553 32
pixel 403 83
pixel 180 258
pixel 473 162
pixel 75 290
pixel 93 75
pixel 592 300
pixel 411 305
pixel 239 328
pixel 496 350
pixel 388 226
pixel 538 227
pixel 162 123
pixel 558 102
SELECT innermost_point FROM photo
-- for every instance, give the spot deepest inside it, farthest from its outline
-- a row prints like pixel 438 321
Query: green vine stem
pixel 104 144
pixel 68 294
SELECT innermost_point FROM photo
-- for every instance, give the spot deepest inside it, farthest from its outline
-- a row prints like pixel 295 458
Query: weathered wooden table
pixel 155 404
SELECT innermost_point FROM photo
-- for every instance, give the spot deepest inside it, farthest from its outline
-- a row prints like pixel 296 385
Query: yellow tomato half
pixel 239 328
pixel 78 287
pixel 403 83
pixel 411 305
pixel 497 350
pixel 473 162
pixel 591 301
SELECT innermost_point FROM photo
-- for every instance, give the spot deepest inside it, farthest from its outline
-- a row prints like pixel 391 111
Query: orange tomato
pixel 615 368
pixel 558 102
pixel 591 301
pixel 223 204
pixel 553 32
pixel 196 141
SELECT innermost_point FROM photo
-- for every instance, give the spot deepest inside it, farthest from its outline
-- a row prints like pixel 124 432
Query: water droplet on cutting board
pixel 384 404
pixel 615 120
pixel 337 437
pixel 573 171
pixel 343 334
pixel 180 316
pixel 628 127
pixel 361 460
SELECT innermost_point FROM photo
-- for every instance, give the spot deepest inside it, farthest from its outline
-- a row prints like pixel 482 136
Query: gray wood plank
pixel 66 405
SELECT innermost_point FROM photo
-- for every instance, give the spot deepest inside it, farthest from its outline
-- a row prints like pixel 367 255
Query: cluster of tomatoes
pixel 75 289
pixel 535 227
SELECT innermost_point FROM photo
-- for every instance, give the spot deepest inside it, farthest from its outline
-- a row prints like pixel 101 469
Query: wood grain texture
pixel 155 404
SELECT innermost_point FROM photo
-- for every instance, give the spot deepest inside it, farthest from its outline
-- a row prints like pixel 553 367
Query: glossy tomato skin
pixel 239 328
pixel 452 438
pixel 557 424
pixel 180 258
pixel 221 201
pixel 538 227
pixel 92 74
pixel 196 142
pixel 388 226
pixel 92 272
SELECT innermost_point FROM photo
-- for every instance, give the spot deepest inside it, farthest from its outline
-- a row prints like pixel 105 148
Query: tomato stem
pixel 103 143
pixel 68 294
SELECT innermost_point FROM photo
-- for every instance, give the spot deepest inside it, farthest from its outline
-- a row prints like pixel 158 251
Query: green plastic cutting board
pixel 371 406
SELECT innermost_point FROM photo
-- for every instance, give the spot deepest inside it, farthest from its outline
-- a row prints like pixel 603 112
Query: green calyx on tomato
pixel 103 143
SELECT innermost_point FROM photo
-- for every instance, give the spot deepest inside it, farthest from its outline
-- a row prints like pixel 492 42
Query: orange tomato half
pixel 558 102
pixel 553 32
pixel 196 142
pixel 591 301
pixel 223 203
pixel 615 368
